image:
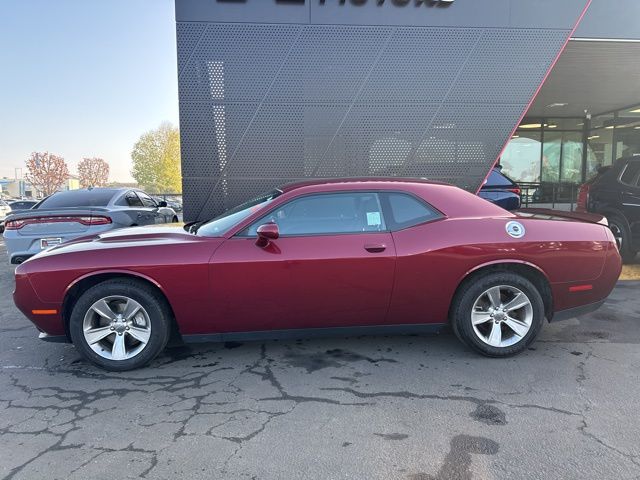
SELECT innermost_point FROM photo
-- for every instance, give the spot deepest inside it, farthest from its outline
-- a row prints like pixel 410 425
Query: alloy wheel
pixel 117 327
pixel 502 316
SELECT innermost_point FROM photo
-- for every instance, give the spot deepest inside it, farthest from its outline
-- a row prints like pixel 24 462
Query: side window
pixel 352 212
pixel 147 201
pixel 630 174
pixel 406 210
pixel 132 199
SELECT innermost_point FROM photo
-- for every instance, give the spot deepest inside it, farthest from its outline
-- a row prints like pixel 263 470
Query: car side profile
pixel 615 193
pixel 323 258
pixel 67 215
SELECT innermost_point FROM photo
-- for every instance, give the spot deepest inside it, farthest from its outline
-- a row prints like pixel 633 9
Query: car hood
pixel 125 238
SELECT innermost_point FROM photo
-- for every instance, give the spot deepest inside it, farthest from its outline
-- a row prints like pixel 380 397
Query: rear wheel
pixel 621 232
pixel 120 324
pixel 498 314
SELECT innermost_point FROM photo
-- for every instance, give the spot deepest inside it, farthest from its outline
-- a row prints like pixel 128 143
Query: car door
pixel 150 209
pixel 137 212
pixel 332 266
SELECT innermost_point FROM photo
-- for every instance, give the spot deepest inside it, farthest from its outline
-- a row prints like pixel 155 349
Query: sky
pixel 84 78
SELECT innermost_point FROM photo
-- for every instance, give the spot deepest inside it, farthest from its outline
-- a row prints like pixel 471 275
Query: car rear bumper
pixel 20 246
pixel 577 298
pixel 576 311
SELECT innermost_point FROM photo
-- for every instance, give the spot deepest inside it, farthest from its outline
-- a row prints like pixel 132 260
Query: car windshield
pixel 78 198
pixel 223 223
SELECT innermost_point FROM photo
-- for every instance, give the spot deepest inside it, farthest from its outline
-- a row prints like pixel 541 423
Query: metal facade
pixel 266 103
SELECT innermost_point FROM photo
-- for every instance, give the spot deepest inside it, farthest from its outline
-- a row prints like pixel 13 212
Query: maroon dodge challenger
pixel 323 258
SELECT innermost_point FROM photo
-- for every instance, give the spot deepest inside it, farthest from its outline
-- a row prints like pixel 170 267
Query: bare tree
pixel 93 172
pixel 46 172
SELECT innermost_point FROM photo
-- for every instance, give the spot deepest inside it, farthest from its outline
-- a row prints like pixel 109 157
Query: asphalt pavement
pixel 391 407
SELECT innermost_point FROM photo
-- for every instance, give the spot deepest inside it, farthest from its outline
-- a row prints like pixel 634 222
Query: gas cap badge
pixel 515 229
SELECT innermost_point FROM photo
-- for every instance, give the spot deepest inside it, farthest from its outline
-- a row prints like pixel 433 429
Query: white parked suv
pixel 4 211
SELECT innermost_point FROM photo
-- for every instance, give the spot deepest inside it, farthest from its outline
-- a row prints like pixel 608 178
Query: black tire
pixel 472 289
pixel 153 303
pixel 620 228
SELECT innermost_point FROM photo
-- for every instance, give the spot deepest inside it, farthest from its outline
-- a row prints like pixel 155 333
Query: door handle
pixel 375 248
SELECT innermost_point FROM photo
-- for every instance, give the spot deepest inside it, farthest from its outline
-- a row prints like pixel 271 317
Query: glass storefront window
pixel 521 158
pixel 627 140
pixel 562 157
pixel 600 148
pixel 551 150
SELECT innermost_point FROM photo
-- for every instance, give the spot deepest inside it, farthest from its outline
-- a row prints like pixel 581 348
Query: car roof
pixel 373 181
pixel 94 189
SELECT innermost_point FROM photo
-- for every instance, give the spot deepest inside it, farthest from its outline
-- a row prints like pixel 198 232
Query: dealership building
pixel 273 91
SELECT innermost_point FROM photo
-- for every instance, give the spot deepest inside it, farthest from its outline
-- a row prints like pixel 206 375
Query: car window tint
pixel 326 214
pixel 630 174
pixel 79 198
pixel 497 179
pixel 406 211
pixel 132 199
pixel 147 201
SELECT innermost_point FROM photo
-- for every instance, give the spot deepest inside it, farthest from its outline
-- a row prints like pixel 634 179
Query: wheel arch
pixel 530 271
pixel 85 282
pixel 611 210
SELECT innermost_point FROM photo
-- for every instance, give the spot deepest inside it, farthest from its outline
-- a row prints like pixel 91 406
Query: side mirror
pixel 162 204
pixel 266 233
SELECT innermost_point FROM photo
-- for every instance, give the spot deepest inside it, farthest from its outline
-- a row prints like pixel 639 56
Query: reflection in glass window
pixel 600 148
pixel 630 174
pixel 562 157
pixel 521 159
pixel 408 211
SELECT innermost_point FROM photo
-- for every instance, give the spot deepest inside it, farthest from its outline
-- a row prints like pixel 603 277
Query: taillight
pixel 14 225
pixel 514 190
pixel 83 219
pixel 583 198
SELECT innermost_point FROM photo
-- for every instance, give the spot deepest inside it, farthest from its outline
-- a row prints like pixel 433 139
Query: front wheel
pixel 499 314
pixel 120 324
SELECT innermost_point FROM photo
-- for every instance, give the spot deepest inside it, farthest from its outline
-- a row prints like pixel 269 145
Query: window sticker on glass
pixel 373 218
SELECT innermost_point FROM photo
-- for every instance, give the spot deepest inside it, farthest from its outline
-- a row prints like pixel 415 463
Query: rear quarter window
pixel 405 210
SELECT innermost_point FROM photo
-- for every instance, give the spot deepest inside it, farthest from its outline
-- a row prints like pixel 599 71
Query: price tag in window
pixel 373 218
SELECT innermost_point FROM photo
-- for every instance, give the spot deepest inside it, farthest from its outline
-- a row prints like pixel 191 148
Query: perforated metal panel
pixel 263 104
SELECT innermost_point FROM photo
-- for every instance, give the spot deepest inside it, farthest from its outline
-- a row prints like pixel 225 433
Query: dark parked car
pixel 323 258
pixel 501 190
pixel 615 193
pixel 67 215
pixel 22 205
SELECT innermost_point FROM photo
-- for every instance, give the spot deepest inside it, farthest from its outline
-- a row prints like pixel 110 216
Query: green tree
pixel 156 160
